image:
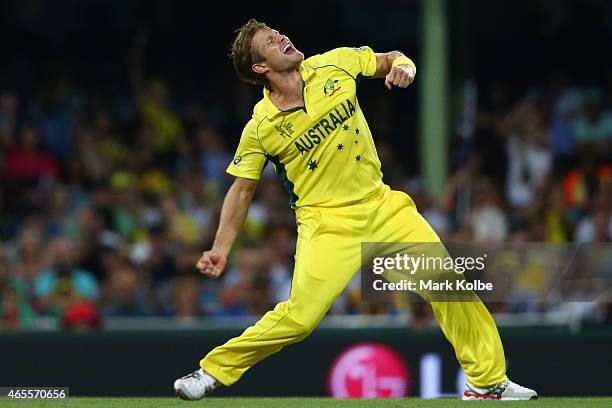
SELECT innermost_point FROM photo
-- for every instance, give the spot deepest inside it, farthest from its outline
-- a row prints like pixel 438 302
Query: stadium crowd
pixel 106 202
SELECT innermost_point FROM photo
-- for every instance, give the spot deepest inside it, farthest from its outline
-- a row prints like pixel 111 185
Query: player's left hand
pixel 400 76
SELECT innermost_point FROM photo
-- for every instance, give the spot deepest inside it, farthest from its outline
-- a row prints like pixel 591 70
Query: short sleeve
pixel 250 157
pixel 357 61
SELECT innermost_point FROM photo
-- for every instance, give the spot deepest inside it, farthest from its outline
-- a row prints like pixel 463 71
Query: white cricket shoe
pixel 504 391
pixel 196 385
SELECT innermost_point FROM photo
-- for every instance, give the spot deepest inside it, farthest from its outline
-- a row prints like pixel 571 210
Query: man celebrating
pixel 310 126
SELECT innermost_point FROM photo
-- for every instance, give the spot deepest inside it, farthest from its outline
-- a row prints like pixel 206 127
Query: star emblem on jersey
pixel 357 131
pixel 345 128
pixel 340 146
pixel 358 157
pixel 313 164
pixel 331 87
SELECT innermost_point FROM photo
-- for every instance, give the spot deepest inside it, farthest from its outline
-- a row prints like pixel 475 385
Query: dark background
pixel 520 44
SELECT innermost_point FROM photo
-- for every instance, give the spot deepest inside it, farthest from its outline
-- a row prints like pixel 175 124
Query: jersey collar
pixel 306 71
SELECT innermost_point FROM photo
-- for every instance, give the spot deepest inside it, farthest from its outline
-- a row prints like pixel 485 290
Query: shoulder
pixel 337 56
pixel 355 61
pixel 252 127
pixel 259 113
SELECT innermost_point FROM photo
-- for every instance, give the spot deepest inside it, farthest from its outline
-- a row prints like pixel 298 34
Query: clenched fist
pixel 400 76
pixel 212 263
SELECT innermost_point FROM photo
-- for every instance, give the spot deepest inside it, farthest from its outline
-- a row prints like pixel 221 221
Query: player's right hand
pixel 400 76
pixel 212 263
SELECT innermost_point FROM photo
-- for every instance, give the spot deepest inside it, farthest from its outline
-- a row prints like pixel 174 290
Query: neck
pixel 286 87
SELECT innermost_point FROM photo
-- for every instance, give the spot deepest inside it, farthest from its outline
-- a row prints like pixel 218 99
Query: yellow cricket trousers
pixel 328 254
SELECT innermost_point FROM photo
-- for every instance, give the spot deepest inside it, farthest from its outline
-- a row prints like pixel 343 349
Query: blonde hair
pixel 244 55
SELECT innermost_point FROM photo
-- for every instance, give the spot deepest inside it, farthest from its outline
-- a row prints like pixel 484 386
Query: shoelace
pixel 195 375
pixel 208 382
pixel 499 389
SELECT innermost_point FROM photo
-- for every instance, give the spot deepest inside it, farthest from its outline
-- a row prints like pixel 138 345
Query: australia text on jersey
pixel 324 126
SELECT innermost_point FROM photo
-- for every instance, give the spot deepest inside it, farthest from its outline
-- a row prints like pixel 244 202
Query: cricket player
pixel 310 126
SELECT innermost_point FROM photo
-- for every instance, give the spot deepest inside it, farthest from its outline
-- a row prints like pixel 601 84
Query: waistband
pixel 375 196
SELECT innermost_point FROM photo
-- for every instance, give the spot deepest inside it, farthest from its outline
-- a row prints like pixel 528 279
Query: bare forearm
pixel 384 63
pixel 397 69
pixel 233 213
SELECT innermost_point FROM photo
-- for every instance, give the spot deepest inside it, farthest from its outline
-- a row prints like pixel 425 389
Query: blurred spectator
pixel 259 294
pixel 238 280
pixel 58 111
pixel 153 98
pixel 583 184
pixel 81 315
pixel 214 157
pixel 435 216
pixel 180 228
pixel 63 282
pixel 548 212
pixel 598 226
pixel 278 255
pixel 594 126
pixel 488 219
pixel 529 153
pixel 155 256
pixel 127 204
pixel 567 108
pixel 61 218
pixel 26 160
pixel 89 251
pixel 200 202
pixel 30 254
pixel 126 294
pixel 185 295
pixel 15 300
pixel 88 162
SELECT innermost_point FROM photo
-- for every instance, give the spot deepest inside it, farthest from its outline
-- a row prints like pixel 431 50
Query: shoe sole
pixel 179 393
pixel 182 395
pixel 472 398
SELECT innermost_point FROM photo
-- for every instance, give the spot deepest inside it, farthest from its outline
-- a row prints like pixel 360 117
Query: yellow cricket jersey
pixel 323 152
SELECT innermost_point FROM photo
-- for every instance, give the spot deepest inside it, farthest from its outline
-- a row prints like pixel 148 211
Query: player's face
pixel 277 52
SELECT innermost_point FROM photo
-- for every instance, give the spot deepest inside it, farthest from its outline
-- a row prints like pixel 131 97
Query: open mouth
pixel 288 49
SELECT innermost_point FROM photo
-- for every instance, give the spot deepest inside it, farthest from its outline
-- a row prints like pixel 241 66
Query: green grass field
pixel 304 403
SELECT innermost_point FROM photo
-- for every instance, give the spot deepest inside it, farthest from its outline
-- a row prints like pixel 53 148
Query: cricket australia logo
pixel 285 129
pixel 331 86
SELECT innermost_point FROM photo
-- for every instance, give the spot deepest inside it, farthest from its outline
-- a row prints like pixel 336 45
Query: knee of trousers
pixel 301 325
pixel 302 329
